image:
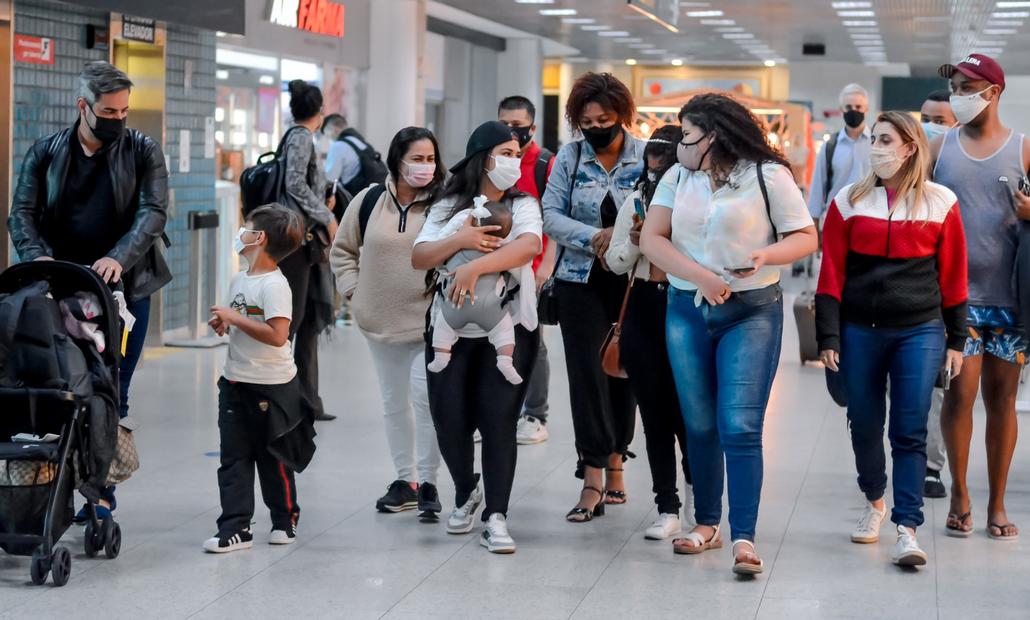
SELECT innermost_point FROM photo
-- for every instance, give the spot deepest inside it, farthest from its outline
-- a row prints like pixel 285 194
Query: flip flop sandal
pixel 959 532
pixel 747 568
pixel 700 545
pixel 1001 528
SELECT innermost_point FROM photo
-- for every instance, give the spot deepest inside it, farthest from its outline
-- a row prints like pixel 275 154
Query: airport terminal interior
pixel 237 237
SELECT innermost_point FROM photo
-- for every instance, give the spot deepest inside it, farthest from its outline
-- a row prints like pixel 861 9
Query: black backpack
pixel 368 203
pixel 372 169
pixel 265 181
pixel 540 171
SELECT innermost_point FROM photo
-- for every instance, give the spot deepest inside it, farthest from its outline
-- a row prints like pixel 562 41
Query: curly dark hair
pixel 399 147
pixel 739 135
pixel 661 145
pixel 305 100
pixel 605 90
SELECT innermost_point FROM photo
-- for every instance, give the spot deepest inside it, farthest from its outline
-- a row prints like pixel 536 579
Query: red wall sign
pixel 318 16
pixel 35 50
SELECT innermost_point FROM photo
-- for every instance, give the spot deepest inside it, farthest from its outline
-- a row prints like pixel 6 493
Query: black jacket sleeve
pixel 27 206
pixel 149 222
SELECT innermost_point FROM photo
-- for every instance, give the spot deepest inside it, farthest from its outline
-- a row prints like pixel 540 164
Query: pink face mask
pixel 418 175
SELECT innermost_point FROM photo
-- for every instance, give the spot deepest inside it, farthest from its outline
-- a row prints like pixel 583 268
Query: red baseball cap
pixel 976 67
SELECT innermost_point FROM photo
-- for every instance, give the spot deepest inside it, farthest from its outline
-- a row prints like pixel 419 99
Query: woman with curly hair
pixel 715 228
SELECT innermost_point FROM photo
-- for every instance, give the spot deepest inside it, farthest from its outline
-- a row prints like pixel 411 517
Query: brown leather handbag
pixel 610 362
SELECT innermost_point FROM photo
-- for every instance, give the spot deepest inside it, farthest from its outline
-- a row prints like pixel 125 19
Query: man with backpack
pixel 519 113
pixel 844 159
pixel 351 159
pixel 96 194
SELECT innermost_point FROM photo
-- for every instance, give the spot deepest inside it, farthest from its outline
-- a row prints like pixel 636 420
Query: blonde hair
pixel 912 172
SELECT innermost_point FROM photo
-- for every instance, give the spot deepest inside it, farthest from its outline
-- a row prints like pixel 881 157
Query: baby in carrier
pixel 492 294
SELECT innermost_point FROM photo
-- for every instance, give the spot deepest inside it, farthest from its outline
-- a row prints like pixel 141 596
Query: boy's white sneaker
pixel 664 526
pixel 868 529
pixel 907 551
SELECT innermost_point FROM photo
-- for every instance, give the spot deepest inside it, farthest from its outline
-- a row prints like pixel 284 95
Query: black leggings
pixel 643 355
pixel 603 409
pixel 469 394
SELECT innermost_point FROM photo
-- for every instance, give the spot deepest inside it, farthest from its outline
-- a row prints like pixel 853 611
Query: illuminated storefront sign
pixel 317 16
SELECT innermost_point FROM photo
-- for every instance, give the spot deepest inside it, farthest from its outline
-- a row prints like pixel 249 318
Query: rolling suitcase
pixel 804 318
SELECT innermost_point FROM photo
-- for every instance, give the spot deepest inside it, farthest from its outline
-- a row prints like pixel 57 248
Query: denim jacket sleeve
pixel 558 221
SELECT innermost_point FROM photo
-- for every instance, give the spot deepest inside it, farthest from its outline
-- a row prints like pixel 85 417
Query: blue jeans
pixel 133 350
pixel 911 357
pixel 724 360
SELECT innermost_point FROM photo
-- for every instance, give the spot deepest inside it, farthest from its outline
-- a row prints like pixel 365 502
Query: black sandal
pixel 615 498
pixel 582 515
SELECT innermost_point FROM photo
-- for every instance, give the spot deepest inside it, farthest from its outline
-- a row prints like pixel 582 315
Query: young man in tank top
pixel 983 161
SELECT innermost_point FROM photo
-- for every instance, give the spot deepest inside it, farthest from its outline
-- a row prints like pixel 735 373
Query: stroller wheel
pixel 112 538
pixel 61 565
pixel 93 540
pixel 39 568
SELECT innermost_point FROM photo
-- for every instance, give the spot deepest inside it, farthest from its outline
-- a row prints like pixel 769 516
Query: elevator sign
pixel 317 16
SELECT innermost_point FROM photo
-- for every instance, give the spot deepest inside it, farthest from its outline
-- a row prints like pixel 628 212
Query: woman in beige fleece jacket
pixel 389 302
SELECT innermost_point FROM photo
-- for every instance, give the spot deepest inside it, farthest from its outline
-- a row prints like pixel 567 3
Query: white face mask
pixel 506 173
pixel 238 245
pixel 885 161
pixel 968 107
pixel 418 175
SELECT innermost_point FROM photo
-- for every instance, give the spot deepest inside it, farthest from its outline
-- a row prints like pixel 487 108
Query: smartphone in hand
pixel 739 271
pixel 639 207
pixel 1024 185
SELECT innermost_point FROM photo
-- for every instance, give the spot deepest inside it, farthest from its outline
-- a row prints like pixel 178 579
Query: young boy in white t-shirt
pixel 258 391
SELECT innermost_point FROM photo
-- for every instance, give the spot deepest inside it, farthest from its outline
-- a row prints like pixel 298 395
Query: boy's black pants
pixel 243 433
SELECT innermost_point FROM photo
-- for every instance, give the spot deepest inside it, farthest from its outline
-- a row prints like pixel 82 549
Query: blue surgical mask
pixel 934 130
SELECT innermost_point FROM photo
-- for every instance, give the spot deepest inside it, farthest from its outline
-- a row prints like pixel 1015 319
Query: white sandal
pixel 746 568
pixel 700 545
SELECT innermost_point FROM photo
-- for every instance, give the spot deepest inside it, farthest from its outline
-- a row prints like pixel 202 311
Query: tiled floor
pixel 351 562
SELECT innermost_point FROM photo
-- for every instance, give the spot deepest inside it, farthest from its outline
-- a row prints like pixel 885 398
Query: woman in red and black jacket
pixel 891 303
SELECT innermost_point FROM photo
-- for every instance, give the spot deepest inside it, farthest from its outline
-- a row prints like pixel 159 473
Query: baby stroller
pixel 58 411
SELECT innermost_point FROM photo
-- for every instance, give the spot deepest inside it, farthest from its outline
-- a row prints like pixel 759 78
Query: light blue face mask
pixel 933 130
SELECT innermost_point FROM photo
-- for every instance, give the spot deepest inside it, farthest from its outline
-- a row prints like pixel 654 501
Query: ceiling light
pixel 738 35
pixel 267 79
pixel 852 5
pixel 718 22
pixel 654 52
pixel 577 59
pixel 557 11
pixel 932 18
pixel 1013 5
pixel 991 51
pixel 597 28
pixel 1011 15
pixel 694 4
pixel 676 62
pixel 612 33
pixel 876 63
pixel 730 29
pixel 704 13
pixel 641 46
pixel 999 31
pixel 868 44
pixel 534 1
pixel 222 74
pixel 577 20
pixel 856 13
pixel 855 24
pixel 631 61
pixel 629 40
pixel 989 43
pixel 1005 23
pixel 770 63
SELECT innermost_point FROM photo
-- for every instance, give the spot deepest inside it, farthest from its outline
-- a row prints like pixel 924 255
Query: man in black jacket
pixel 97 194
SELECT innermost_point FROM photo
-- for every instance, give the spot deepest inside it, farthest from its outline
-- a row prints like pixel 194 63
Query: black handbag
pixel 547 298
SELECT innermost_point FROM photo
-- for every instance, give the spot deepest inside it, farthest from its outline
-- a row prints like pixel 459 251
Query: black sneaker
pixel 226 542
pixel 933 487
pixel 428 498
pixel 399 497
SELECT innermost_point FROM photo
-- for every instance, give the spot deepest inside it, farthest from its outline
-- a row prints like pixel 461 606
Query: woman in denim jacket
pixel 714 226
pixel 590 179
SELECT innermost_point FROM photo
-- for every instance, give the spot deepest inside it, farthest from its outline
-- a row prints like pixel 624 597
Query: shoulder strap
pixel 540 170
pixel 368 203
pixel 831 146
pixel 765 197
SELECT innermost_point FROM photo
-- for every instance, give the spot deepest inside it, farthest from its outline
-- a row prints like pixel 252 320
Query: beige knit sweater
pixel 389 302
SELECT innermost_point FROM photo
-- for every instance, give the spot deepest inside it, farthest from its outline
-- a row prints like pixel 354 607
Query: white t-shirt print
pixel 263 297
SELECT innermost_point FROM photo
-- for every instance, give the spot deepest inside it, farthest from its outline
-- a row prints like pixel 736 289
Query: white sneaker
pixel 495 536
pixel 664 526
pixel 906 550
pixel 283 537
pixel 530 431
pixel 476 437
pixel 868 529
pixel 463 517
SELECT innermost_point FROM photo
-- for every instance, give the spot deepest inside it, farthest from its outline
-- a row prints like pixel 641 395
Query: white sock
pixel 507 367
pixel 440 361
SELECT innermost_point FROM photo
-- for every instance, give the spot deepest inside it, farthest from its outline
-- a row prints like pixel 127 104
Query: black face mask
pixel 601 137
pixel 854 118
pixel 107 130
pixel 523 134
